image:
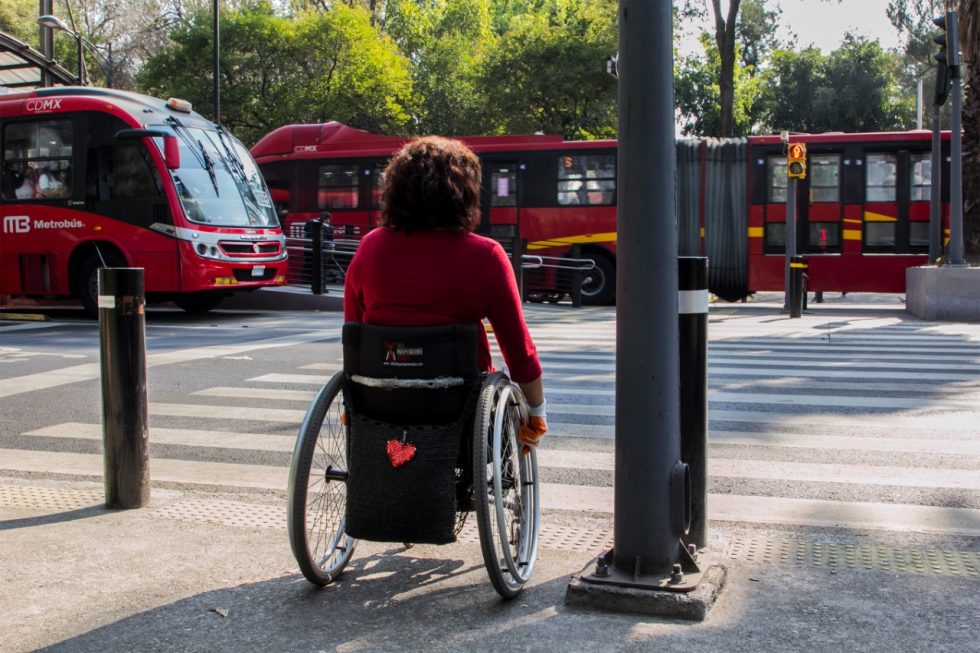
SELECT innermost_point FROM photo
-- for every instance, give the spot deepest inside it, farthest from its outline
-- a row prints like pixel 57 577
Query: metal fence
pixel 319 258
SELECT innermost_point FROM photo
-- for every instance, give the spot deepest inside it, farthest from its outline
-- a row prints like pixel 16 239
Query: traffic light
pixel 949 46
pixel 796 162
pixel 948 56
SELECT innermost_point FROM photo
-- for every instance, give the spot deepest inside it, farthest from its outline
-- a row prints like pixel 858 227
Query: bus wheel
pixel 88 282
pixel 599 283
pixel 199 302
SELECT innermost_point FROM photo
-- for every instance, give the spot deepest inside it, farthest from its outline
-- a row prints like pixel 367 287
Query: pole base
pixel 689 600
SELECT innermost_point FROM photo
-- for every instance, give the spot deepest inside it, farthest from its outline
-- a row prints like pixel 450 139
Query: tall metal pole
pixel 935 191
pixel 217 76
pixel 45 8
pixel 647 361
pixel 790 236
pixel 956 251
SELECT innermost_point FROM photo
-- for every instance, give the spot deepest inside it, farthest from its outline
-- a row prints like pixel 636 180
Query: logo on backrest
pixel 398 354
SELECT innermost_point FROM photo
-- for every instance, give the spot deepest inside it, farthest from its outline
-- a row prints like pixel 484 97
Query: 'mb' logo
pixel 16 224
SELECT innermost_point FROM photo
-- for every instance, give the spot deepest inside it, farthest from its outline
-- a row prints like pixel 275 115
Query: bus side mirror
pixel 171 152
pixel 171 149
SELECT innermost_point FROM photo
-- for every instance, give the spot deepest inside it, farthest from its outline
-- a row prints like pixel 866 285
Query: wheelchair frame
pixel 507 510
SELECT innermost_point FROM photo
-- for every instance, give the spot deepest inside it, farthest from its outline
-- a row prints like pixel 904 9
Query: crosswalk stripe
pixel 90 371
pixel 818 367
pixel 548 457
pixel 205 411
pixel 185 437
pixel 257 393
pixel 722 507
pixel 307 379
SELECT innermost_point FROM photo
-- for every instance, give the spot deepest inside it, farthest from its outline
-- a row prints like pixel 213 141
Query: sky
pixel 823 23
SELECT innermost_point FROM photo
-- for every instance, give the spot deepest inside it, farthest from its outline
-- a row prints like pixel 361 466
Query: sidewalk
pixel 200 571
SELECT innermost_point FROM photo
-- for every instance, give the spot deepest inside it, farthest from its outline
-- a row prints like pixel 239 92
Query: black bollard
pixel 692 309
pixel 797 285
pixel 576 292
pixel 316 256
pixel 125 433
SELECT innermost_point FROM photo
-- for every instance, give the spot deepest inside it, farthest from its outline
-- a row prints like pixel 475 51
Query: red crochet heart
pixel 399 452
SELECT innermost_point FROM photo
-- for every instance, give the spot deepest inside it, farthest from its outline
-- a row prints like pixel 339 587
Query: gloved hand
pixel 535 428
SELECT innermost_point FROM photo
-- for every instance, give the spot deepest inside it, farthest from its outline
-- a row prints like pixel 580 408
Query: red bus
pixel 862 210
pixel 102 178
pixel 552 193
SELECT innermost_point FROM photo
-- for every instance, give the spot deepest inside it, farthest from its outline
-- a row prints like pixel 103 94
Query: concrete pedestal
pixel 943 293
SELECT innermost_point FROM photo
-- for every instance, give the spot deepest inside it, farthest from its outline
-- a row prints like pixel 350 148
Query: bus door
pixel 881 215
pixel 499 210
pixel 821 211
pixel 915 193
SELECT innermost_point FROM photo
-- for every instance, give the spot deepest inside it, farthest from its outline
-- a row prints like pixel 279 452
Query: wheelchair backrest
pixel 410 375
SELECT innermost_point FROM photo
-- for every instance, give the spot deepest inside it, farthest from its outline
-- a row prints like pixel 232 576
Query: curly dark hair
pixel 432 183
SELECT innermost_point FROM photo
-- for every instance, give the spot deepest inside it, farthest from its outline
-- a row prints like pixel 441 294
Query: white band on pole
pixel 692 301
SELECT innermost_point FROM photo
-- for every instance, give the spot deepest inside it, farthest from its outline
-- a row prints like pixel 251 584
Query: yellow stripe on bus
pixel 852 221
pixel 609 237
pixel 755 232
pixel 852 234
pixel 878 217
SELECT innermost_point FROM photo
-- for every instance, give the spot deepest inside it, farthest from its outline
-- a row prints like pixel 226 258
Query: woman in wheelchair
pixel 419 429
pixel 426 266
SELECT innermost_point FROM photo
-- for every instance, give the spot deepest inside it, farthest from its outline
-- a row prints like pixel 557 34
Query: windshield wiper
pixel 200 152
pixel 209 166
pixel 232 155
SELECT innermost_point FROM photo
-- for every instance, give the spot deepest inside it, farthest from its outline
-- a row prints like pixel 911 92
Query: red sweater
pixel 441 277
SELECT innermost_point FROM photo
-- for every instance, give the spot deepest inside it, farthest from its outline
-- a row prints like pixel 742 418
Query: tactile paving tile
pixel 226 513
pixel 862 557
pixel 49 499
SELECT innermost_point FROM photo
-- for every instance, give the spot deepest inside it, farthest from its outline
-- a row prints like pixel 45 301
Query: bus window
pixel 824 178
pixel 503 186
pixel 37 159
pixel 879 234
pixel 824 236
pixel 776 172
pixel 337 186
pixel 776 235
pixel 133 174
pixel 920 182
pixel 880 178
pixel 919 235
pixel 586 179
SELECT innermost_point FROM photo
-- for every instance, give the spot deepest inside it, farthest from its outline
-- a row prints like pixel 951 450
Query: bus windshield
pixel 218 182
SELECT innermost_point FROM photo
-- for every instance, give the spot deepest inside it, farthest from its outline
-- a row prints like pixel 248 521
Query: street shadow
pixel 384 602
pixel 54 518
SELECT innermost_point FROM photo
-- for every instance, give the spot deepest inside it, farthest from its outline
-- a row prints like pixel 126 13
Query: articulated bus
pixel 863 208
pixel 102 178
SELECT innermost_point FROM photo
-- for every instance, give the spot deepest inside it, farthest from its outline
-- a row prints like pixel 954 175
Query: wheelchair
pixel 403 444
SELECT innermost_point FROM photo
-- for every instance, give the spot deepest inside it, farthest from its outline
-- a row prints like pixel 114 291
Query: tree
pixel 275 71
pixel 697 94
pixel 745 31
pixel 447 42
pixel 547 71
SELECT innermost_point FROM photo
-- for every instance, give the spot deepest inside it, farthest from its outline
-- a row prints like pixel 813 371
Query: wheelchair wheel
pixel 318 488
pixel 505 487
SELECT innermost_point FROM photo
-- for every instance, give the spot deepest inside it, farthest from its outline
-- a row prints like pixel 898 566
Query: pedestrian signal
pixel 796 162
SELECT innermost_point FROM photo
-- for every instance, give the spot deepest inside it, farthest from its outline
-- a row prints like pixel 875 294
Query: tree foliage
pixel 274 71
pixel 547 71
pixel 851 89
